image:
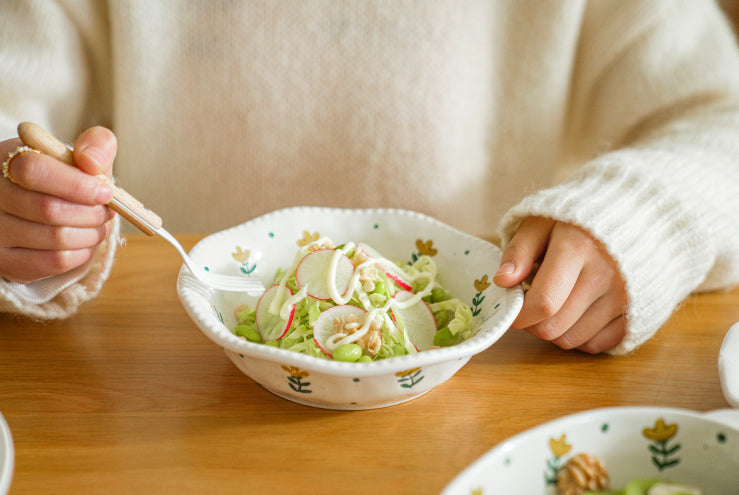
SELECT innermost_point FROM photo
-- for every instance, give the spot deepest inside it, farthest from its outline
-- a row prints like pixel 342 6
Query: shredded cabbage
pixel 452 316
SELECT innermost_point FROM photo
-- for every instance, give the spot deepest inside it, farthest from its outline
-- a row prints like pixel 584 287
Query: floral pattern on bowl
pixel 259 247
pixel 632 442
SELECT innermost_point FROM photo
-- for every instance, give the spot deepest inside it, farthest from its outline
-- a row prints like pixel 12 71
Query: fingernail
pixel 506 269
pixel 93 153
pixel 103 194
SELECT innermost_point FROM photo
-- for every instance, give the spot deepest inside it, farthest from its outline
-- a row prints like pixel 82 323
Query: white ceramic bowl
pixel 7 456
pixel 678 445
pixel 466 266
pixel 728 365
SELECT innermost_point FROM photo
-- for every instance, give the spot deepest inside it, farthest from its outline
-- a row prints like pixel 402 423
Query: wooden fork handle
pixel 36 137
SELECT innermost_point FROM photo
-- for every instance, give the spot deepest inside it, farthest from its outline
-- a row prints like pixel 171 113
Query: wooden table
pixel 128 396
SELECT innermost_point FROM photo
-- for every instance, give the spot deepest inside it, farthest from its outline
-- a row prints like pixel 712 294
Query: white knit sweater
pixel 465 110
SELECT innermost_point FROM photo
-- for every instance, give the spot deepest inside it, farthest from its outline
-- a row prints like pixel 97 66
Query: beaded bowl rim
pixel 725 419
pixel 199 308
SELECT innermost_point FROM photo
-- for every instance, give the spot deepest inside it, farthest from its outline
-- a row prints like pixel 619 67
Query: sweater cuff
pixel 621 199
pixel 61 296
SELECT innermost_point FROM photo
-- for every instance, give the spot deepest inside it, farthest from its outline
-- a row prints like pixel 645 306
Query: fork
pixel 36 137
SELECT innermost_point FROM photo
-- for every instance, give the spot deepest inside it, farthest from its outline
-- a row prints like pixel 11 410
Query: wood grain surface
pixel 129 397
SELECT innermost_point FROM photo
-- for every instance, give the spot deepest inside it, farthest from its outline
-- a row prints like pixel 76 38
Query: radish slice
pixel 313 273
pixel 368 250
pixel 373 253
pixel 271 326
pixel 418 320
pixel 401 283
pixel 323 327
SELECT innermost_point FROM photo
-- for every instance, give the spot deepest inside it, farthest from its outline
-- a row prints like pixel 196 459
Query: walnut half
pixel 582 472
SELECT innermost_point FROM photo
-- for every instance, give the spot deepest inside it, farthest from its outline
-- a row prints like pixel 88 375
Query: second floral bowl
pixel 633 445
pixel 259 247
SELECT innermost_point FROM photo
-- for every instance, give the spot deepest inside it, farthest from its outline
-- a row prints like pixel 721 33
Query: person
pixel 600 138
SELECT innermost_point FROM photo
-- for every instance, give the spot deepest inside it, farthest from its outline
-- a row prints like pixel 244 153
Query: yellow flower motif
pixel 295 371
pixel 407 372
pixel 426 248
pixel 241 255
pixel 482 284
pixel 559 447
pixel 661 432
pixel 308 238
pixel 476 491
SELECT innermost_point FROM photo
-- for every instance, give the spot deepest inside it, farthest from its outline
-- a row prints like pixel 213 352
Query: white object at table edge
pixel 7 456
pixel 728 365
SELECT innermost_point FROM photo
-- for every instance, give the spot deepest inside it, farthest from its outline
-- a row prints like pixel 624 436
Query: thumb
pixel 95 150
pixel 526 246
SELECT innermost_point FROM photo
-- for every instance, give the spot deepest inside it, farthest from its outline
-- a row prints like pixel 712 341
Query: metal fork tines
pixel 233 283
pixel 188 281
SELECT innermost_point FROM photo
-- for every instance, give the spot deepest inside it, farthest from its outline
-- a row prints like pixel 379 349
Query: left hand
pixel 577 298
pixel 53 216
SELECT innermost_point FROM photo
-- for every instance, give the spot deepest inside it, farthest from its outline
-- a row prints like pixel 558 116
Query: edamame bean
pixel 248 332
pixel 443 318
pixel 365 359
pixel 444 338
pixel 348 352
pixel 379 287
pixel 438 294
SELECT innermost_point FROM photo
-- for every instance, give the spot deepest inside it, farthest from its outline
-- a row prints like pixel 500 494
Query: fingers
pixel 43 174
pixel 577 298
pixel 53 216
pixel 525 248
pixel 551 320
pixel 550 289
pixel 556 278
pixel 51 210
pixel 608 338
pixel 26 265
pixel 591 323
pixel 31 235
pixel 95 150
pixel 31 251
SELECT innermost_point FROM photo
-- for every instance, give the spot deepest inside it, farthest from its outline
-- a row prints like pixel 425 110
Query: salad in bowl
pixel 363 308
pixel 349 303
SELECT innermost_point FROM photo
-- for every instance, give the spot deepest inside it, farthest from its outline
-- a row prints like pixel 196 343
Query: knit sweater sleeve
pixel 61 296
pixel 657 95
pixel 48 50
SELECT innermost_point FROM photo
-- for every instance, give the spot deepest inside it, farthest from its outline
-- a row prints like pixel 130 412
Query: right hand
pixel 54 216
pixel 577 297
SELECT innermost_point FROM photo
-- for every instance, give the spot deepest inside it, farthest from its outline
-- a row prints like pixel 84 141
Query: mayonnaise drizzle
pixel 354 284
pixel 331 276
pixel 292 301
pixel 418 295
pixel 282 304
